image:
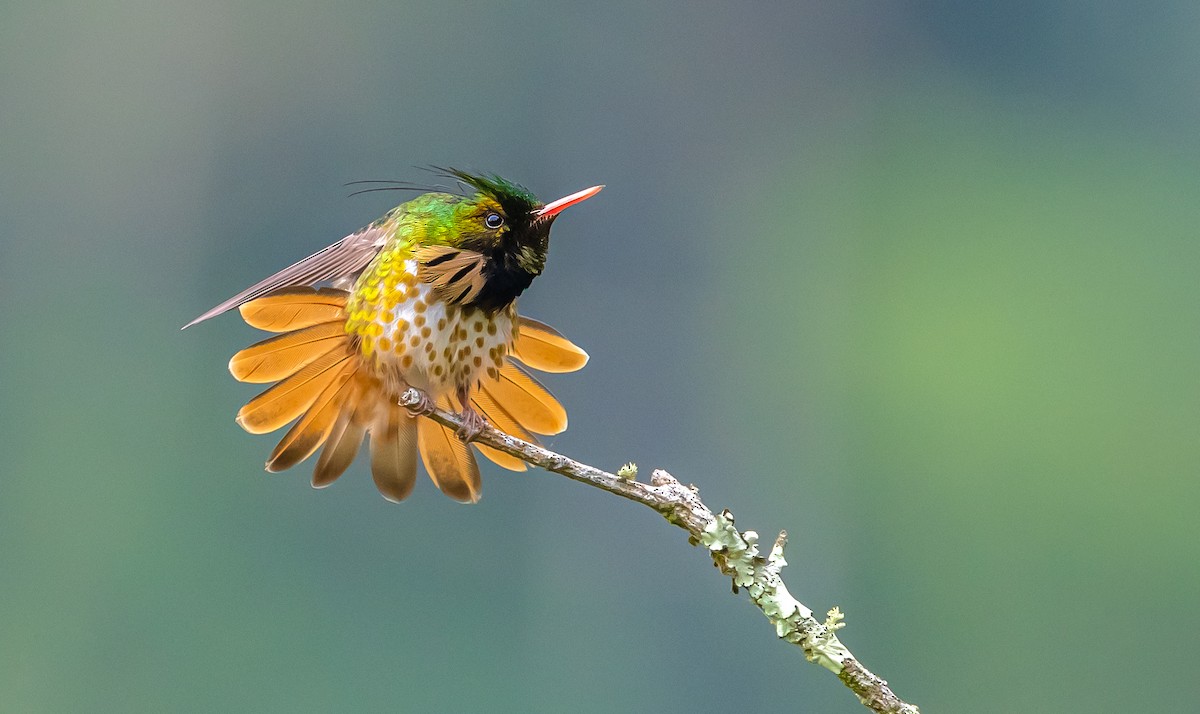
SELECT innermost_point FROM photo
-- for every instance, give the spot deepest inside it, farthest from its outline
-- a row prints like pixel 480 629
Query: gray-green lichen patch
pixel 737 555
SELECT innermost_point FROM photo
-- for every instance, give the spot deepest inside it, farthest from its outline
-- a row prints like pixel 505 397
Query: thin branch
pixel 735 553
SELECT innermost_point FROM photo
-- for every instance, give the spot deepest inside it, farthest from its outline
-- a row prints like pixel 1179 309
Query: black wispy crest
pixel 393 186
pixel 516 199
pixel 518 202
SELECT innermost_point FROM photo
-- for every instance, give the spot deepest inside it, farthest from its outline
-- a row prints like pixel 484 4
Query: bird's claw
pixel 424 405
pixel 472 424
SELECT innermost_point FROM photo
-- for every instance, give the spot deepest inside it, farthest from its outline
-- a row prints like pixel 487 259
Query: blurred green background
pixel 916 281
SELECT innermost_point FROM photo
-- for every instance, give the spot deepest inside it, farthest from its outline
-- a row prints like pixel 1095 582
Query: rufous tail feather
pixel 541 347
pixel 394 452
pixel 499 417
pixel 290 309
pixel 529 403
pixel 447 459
pixel 341 447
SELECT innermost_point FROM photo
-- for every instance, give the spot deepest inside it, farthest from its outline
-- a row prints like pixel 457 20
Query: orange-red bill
pixel 555 207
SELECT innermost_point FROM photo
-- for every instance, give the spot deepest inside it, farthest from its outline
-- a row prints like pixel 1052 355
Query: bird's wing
pixel 346 257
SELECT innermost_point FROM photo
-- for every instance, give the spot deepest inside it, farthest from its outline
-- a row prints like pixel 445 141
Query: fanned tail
pixel 334 400
pixel 322 384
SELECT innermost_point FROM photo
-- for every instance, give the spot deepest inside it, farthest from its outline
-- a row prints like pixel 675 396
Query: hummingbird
pixel 425 297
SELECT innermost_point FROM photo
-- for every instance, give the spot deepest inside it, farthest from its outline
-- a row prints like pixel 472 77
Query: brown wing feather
pixel 529 403
pixel 284 355
pixel 292 308
pixel 455 274
pixel 346 257
pixel 448 460
pixel 394 453
pixel 541 347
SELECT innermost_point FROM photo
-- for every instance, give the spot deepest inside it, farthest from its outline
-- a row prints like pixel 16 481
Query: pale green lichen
pixel 775 558
pixel 778 604
pixel 734 552
pixel 628 472
pixel 833 619
pixel 744 566
pixel 824 647
pixel 720 534
pixel 737 555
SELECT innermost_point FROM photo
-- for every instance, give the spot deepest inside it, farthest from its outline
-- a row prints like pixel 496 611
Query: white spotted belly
pixel 439 347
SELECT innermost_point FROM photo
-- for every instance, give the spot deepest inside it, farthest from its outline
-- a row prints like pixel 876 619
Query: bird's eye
pixel 493 220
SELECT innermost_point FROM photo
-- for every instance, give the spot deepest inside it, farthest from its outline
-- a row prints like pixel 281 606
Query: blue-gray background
pixel 916 281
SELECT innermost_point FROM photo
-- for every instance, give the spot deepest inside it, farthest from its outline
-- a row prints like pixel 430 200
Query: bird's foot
pixel 422 406
pixel 472 424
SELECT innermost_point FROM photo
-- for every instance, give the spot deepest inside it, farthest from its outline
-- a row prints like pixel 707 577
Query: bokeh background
pixel 916 281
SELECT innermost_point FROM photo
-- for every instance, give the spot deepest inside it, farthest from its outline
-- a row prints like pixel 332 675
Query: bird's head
pixel 506 226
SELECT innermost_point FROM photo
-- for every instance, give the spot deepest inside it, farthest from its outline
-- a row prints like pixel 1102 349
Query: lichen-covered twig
pixel 735 553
